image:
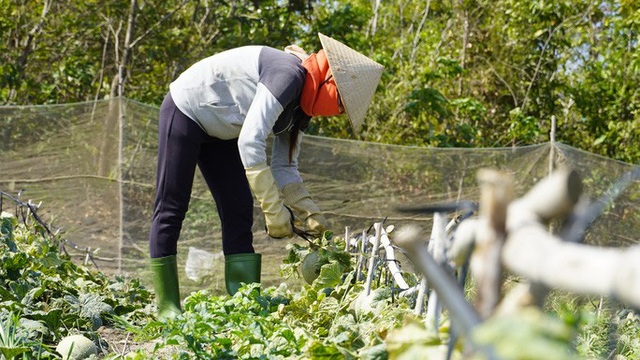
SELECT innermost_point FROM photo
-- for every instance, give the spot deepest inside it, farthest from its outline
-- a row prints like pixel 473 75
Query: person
pixel 218 116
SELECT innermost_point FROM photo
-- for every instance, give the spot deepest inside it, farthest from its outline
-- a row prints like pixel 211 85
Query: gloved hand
pixel 297 198
pixel 263 185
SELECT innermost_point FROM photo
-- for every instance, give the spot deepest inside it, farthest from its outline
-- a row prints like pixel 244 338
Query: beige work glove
pixel 297 198
pixel 277 216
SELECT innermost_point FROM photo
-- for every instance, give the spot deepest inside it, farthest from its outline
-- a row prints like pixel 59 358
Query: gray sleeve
pixel 256 128
pixel 283 171
pixel 280 82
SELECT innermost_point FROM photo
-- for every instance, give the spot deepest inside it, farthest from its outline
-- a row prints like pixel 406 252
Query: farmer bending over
pixel 218 115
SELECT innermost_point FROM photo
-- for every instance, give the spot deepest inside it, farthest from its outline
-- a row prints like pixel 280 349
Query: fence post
pixel 552 141
pixel 121 117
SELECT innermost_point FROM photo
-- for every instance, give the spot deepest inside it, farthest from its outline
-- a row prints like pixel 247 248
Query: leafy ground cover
pixel 46 297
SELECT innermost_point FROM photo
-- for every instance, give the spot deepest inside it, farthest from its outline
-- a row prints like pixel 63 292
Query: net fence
pixel 92 167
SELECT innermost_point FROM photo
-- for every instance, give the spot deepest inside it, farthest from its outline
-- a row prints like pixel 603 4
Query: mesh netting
pixel 92 165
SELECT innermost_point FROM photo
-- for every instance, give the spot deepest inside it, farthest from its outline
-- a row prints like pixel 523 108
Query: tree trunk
pixel 465 43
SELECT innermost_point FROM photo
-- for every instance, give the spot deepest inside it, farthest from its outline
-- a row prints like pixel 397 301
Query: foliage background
pixel 459 73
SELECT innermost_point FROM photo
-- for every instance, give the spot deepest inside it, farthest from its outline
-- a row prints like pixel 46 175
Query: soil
pixel 122 342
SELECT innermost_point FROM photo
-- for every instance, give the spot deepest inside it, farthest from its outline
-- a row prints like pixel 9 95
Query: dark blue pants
pixel 182 145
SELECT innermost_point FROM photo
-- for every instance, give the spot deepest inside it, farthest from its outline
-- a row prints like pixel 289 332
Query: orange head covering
pixel 319 94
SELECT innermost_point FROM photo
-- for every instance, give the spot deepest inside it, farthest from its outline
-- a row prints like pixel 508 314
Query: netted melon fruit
pixel 309 267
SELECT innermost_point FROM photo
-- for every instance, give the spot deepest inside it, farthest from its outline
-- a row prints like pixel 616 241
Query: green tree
pixel 602 97
pixel 457 73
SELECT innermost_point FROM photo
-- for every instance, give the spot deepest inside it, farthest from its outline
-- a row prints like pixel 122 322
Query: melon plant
pixel 46 297
pixel 307 260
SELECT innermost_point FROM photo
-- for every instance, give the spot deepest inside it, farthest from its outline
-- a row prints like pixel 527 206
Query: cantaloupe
pixel 76 347
pixel 309 267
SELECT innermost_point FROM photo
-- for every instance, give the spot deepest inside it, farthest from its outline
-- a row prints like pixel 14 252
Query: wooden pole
pixel 552 141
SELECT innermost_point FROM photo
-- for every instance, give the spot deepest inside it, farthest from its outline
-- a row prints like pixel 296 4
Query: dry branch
pixel 462 314
pixel 532 252
pixel 541 257
pixel 496 192
pixel 390 258
pixel 546 260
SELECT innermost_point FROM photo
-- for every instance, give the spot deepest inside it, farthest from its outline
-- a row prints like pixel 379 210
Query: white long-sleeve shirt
pixel 247 93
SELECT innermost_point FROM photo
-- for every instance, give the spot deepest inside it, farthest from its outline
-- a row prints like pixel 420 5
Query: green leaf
pixel 52 318
pixel 377 352
pixel 6 232
pixel 330 276
pixel 600 140
pixel 92 307
pixel 11 352
pixel 35 329
pixel 319 350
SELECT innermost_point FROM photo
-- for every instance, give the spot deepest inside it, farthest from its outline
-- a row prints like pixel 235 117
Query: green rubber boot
pixel 165 282
pixel 241 268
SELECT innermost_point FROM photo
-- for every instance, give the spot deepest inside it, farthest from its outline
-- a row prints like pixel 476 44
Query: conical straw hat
pixel 356 76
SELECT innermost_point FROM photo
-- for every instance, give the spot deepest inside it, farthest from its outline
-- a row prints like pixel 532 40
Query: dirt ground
pixel 121 342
